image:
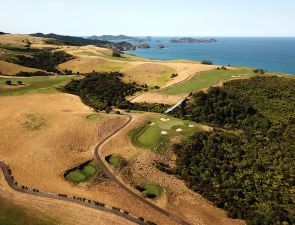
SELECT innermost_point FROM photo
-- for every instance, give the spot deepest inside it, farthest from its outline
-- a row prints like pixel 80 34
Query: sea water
pixel 271 54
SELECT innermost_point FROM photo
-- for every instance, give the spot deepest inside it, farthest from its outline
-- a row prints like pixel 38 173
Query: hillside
pixel 244 166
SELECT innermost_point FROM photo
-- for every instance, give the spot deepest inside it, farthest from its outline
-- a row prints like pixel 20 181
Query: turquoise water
pixel 271 54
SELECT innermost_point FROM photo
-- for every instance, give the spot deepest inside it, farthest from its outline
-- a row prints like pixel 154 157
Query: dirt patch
pixel 12 69
pixel 152 97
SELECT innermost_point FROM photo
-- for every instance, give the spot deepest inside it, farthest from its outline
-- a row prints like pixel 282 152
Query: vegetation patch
pixel 82 174
pixel 151 191
pixel 206 79
pixel 33 122
pixel 246 167
pixel 117 161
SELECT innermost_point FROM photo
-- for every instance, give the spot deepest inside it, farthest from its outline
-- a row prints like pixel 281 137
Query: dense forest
pixel 246 165
pixel 45 60
pixel 102 91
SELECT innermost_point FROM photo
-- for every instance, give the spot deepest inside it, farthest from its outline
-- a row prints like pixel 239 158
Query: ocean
pixel 271 54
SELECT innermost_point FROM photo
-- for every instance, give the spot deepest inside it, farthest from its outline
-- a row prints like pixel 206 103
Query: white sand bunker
pixel 178 129
pixel 164 120
pixel 163 132
pixel 191 125
pixel 152 124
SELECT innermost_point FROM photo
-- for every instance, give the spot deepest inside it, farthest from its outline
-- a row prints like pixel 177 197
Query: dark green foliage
pixel 102 90
pixel 32 74
pixel 45 60
pixel 19 82
pixel 260 71
pixel 247 167
pixel 8 82
pixel 207 62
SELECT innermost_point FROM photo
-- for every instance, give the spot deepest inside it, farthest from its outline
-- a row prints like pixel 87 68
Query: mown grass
pixel 150 136
pixel 114 160
pixel 83 174
pixel 93 117
pixel 11 214
pixel 205 80
pixel 32 84
pixel 151 190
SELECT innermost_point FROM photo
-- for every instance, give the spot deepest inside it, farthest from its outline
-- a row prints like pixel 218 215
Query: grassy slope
pixel 35 84
pixel 205 80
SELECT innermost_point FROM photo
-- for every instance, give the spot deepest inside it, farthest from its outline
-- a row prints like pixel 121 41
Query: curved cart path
pixel 88 203
pixel 109 173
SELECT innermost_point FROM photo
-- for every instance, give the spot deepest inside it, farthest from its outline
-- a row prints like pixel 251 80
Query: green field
pixel 83 174
pixel 156 131
pixel 205 80
pixel 11 214
pixel 33 84
pixel 151 190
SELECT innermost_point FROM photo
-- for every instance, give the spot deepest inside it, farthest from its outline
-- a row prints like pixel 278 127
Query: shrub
pixel 207 62
pixel 8 82
pixel 19 82
pixel 116 53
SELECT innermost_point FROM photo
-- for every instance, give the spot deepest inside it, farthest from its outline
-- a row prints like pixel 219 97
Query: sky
pixel 152 17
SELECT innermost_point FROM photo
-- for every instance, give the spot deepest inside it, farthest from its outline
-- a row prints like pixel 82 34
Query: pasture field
pixel 31 84
pixel 152 74
pixel 7 68
pixel 159 128
pixel 205 80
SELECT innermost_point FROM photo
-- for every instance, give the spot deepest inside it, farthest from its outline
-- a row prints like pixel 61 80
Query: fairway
pixel 31 84
pixel 159 128
pixel 83 174
pixel 206 79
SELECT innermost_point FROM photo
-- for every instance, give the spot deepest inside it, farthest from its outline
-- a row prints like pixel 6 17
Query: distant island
pixel 193 40
pixel 111 37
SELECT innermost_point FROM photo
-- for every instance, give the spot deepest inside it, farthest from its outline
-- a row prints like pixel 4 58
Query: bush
pixel 207 62
pixel 19 82
pixel 32 74
pixel 8 82
pixel 116 53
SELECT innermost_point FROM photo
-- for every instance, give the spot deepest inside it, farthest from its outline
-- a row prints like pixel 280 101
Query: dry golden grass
pixel 19 39
pixel 89 64
pixel 64 213
pixel 39 157
pixel 7 68
pixel 151 74
pixel 153 97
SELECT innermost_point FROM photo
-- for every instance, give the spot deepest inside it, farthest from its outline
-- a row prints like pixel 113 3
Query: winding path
pixel 109 173
pixel 84 202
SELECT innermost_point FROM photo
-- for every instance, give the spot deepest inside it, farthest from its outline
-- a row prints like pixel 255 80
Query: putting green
pixel 151 190
pixel 83 174
pixel 159 128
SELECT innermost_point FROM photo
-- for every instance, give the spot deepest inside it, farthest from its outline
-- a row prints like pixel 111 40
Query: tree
pixel 19 82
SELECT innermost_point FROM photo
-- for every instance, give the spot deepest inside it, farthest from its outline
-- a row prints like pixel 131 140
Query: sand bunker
pixel 178 129
pixel 164 120
pixel 152 124
pixel 163 132
pixel 190 125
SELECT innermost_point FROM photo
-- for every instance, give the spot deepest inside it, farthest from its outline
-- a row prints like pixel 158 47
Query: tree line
pixel 246 164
